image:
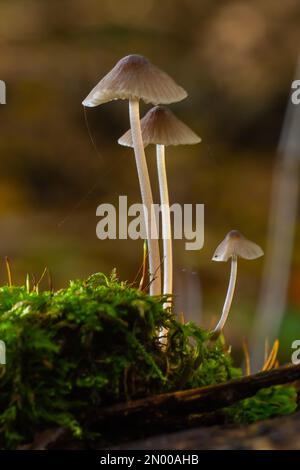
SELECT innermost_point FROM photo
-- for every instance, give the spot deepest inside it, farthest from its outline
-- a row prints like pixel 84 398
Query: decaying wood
pixel 175 411
pixel 202 400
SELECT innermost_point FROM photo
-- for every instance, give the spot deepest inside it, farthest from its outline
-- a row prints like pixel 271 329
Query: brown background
pixel 235 58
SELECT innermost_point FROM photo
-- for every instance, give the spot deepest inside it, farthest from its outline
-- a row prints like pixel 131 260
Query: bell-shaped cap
pixel 235 244
pixel 161 126
pixel 134 78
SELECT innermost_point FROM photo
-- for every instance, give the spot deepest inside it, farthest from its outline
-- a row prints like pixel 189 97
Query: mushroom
pixel 135 78
pixel 233 246
pixel 162 128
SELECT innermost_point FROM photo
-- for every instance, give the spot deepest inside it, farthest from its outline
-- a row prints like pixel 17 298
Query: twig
pixel 200 400
pixel 144 265
pixel 8 270
pixel 271 359
pixel 41 278
pixel 247 357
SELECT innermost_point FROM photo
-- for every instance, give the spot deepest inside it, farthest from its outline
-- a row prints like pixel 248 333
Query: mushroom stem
pixel 147 199
pixel 166 222
pixel 229 296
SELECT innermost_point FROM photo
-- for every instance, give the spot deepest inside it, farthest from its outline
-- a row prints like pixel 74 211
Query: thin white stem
pixel 229 296
pixel 166 222
pixel 147 199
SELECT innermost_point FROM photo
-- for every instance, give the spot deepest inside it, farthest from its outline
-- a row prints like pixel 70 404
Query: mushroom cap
pixel 235 244
pixel 161 126
pixel 134 78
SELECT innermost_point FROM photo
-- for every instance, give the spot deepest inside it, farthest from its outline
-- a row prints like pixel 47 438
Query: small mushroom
pixel 162 128
pixel 135 78
pixel 233 246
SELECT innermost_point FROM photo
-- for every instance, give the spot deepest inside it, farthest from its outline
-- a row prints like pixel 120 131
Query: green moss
pixel 268 402
pixel 95 343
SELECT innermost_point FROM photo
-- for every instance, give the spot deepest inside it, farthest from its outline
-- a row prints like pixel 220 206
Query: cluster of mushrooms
pixel 135 78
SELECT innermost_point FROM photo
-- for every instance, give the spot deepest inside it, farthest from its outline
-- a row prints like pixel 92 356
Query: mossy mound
pixel 95 343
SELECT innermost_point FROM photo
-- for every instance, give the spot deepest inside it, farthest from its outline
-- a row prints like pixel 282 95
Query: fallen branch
pixel 179 410
pixel 205 399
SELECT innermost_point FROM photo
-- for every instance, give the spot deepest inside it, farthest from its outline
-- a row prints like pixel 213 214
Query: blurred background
pixel 236 59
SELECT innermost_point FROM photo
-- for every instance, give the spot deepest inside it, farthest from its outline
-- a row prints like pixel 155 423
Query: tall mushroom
pixel 162 128
pixel 135 78
pixel 233 246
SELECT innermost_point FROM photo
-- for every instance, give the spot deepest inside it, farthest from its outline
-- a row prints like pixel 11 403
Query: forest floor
pixel 281 433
